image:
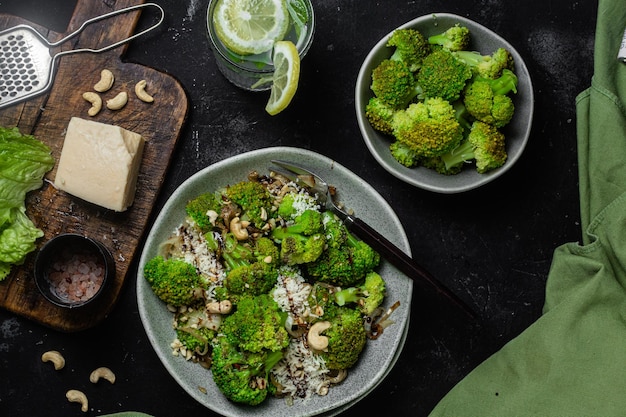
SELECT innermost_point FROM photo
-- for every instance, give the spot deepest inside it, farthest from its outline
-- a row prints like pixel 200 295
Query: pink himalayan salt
pixel 76 277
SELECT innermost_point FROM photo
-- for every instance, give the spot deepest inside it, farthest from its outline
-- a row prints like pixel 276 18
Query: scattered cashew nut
pixel 102 372
pixel 106 81
pixel 118 101
pixel 76 396
pixel 238 228
pixel 140 91
pixel 221 307
pixel 315 339
pixel 96 102
pixel 55 357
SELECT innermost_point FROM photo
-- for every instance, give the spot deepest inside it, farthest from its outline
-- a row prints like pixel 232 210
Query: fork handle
pixel 402 261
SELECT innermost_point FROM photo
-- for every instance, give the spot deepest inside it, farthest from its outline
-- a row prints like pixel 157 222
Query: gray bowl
pixel 379 356
pixel 517 131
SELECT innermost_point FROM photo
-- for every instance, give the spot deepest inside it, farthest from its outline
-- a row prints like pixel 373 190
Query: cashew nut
pixel 55 357
pixel 221 307
pixel 76 396
pixel 106 81
pixel 315 339
pixel 102 372
pixel 96 102
pixel 118 101
pixel 140 91
pixel 238 228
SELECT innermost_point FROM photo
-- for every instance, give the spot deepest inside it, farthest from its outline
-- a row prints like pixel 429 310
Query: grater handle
pixel 106 16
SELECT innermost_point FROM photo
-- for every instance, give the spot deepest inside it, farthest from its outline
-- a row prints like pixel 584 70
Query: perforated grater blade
pixel 26 65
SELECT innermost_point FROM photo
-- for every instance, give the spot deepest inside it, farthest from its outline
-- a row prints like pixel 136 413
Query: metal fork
pixel 313 182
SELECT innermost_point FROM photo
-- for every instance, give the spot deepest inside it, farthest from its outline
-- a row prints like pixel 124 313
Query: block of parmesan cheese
pixel 99 163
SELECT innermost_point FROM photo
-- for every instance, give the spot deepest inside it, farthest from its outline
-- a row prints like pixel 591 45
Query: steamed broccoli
pixel 257 324
pixel 242 376
pixel 251 266
pixel 345 263
pixel 173 280
pixel 437 164
pixel 487 99
pixel 485 144
pixel 253 198
pixel 198 209
pixel 394 83
pixel 443 75
pixel 334 229
pixel 294 204
pixel 410 47
pixel 429 128
pixel 302 240
pixel 380 115
pixel 404 154
pixel 346 337
pixel 488 66
pixel 456 38
pixel 368 296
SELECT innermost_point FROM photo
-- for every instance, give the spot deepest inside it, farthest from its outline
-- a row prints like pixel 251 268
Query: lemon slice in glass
pixel 286 75
pixel 250 26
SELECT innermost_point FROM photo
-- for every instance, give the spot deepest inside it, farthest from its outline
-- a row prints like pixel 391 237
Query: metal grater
pixel 26 66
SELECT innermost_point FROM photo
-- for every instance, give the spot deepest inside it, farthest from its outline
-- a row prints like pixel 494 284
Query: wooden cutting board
pixel 47 116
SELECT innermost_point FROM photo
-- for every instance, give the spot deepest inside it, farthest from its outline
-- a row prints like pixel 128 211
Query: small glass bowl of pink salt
pixel 72 270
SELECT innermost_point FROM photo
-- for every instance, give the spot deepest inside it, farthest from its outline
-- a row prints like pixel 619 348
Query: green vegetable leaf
pixel 299 14
pixel 23 162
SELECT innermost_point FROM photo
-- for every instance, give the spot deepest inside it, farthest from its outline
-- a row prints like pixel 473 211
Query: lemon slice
pixel 286 75
pixel 250 26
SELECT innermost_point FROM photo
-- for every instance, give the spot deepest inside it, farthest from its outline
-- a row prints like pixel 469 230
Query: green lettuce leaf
pixel 23 163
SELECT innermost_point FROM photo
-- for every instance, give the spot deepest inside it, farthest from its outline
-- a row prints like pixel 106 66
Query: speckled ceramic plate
pixel 379 356
pixel 517 131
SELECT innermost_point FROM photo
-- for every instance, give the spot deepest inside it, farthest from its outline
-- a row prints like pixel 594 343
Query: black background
pixel 493 245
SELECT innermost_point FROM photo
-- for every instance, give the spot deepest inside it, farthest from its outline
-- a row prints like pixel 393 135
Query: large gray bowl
pixel 517 131
pixel 379 356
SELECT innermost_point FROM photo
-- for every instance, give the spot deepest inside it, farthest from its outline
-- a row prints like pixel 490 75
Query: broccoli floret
pixel 257 324
pixel 394 83
pixel 334 229
pixel 294 204
pixel 380 115
pixel 251 266
pixel 345 264
pixel 173 280
pixel 485 144
pixel 488 66
pixel 437 164
pixel 240 375
pixel 368 296
pixel 346 337
pixel 403 154
pixel 456 38
pixel 198 210
pixel 307 223
pixel 443 75
pixel 302 240
pixel 429 128
pixel 411 46
pixel 254 199
pixel 487 99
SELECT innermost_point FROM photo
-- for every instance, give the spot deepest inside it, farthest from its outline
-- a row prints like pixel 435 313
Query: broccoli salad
pixel 269 291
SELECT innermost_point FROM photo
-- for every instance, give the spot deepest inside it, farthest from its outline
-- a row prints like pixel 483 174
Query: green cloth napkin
pixel 572 361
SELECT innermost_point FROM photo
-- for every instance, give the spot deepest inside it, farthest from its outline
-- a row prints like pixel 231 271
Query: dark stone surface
pixel 493 245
